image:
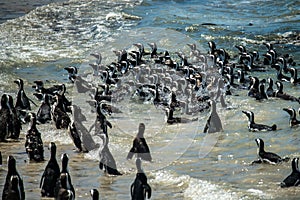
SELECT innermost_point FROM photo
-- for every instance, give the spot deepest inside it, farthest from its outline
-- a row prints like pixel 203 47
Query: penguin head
pixel 249 114
pixel 260 144
pixel 291 112
pixel 19 82
pixel 94 194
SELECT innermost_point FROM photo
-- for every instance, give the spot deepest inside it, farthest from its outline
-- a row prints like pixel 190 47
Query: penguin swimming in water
pixel 252 126
pixel 107 161
pixel 34 144
pixel 140 189
pixel 140 146
pixel 294 178
pixel 64 181
pixel 50 174
pixel 267 157
pixel 11 172
pixel 213 123
pixel 293 120
pixel 94 194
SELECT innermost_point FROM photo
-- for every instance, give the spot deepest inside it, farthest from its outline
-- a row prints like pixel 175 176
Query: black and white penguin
pixel 140 146
pixel 44 112
pixel 102 123
pixel 59 115
pixel 252 126
pixel 14 192
pixel 74 135
pixel 22 102
pixel 293 120
pixel 11 172
pixel 294 79
pixel 39 87
pixel 15 125
pixel 267 157
pixel 4 118
pixel 270 90
pixel 50 174
pixel 64 190
pixel 213 123
pixel 140 189
pixel 283 95
pixel 94 194
pixel 64 181
pixel 72 73
pixel 34 145
pixel 294 178
pixel 107 161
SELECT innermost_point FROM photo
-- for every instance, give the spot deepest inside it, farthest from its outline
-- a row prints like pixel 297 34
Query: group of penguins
pixel 187 84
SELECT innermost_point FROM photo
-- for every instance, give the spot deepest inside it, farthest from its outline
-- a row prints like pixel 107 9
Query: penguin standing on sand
pixel 213 123
pixel 107 161
pixel 4 118
pixel 23 102
pixel 12 178
pixel 34 144
pixel 15 126
pixel 64 186
pixel 140 146
pixel 50 175
pixel 140 189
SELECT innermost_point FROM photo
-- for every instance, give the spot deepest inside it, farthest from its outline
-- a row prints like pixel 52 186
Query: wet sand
pixel 13 8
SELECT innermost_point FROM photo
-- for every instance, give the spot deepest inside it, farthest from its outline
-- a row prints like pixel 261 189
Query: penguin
pixel 34 144
pixel 39 87
pixel 102 123
pixel 294 178
pixel 74 135
pixel 44 112
pixel 50 174
pixel 140 146
pixel 94 194
pixel 22 102
pixel 64 191
pixel 64 181
pixel 282 95
pixel 267 157
pixel 15 125
pixel 175 120
pixel 4 118
pixel 72 73
pixel 292 121
pixel 213 123
pixel 107 161
pixel 11 172
pixel 14 192
pixel 87 142
pixel 140 189
pixel 252 126
pixel 294 79
pixel 59 115
pixel 270 90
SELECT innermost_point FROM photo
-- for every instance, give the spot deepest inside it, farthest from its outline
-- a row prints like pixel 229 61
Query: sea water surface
pixel 187 163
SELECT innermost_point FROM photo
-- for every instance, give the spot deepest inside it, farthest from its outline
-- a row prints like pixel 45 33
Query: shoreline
pixel 14 9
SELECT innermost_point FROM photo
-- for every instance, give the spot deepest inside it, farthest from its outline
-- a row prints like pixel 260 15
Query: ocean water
pixel 187 164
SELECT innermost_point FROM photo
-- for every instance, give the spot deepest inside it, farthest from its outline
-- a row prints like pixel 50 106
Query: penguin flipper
pixel 147 189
